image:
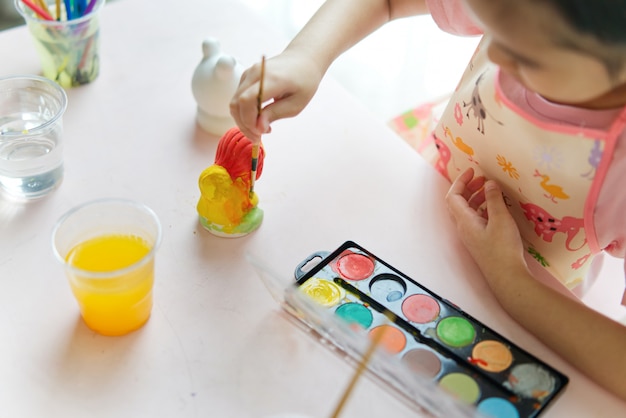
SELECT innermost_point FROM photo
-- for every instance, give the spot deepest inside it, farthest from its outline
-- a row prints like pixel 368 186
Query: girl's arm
pixel 590 341
pixel 291 78
pixel 340 24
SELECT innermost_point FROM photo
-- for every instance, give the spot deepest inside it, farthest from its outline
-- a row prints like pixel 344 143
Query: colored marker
pixel 38 10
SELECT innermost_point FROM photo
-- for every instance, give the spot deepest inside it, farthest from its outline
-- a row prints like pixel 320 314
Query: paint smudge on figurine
pixel 227 207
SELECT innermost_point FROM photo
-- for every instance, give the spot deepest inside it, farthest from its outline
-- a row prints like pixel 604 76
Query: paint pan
pixel 431 337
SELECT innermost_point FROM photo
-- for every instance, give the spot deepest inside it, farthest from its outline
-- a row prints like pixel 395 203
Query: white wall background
pixel 404 63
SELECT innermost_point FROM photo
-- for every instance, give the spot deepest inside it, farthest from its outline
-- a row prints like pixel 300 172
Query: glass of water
pixel 31 130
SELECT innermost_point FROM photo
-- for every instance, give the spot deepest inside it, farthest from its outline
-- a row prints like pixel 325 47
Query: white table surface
pixel 217 344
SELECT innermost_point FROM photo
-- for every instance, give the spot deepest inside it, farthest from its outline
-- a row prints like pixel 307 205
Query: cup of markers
pixel 66 36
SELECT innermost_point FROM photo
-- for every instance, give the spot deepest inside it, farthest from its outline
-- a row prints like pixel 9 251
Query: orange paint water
pixel 118 303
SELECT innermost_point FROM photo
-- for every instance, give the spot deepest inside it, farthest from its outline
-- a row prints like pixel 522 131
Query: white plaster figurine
pixel 213 85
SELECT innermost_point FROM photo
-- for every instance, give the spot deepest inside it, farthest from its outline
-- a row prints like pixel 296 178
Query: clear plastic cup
pixel 108 249
pixel 68 49
pixel 31 131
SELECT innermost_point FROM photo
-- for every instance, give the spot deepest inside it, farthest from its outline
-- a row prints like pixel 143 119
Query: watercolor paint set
pixel 426 335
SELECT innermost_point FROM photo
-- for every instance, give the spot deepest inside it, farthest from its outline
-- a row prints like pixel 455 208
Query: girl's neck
pixel 615 98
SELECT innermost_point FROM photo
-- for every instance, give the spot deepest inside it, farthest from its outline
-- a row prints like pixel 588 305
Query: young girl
pixel 533 141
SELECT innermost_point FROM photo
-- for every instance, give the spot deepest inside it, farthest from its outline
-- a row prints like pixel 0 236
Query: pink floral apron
pixel 550 174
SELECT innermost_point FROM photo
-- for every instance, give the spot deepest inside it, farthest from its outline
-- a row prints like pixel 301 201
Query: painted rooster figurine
pixel 227 206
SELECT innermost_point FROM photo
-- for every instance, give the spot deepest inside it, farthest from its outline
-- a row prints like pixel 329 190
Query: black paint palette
pixel 429 335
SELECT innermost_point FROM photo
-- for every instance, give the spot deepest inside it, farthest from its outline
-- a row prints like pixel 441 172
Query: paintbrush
pixel 259 108
pixel 376 339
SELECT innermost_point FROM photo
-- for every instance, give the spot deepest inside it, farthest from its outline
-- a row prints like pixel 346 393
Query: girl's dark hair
pixel 602 20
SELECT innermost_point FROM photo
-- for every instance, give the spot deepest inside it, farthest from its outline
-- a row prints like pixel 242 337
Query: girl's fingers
pixel 477 200
pixel 476 184
pixel 494 199
pixel 459 185
pixel 467 185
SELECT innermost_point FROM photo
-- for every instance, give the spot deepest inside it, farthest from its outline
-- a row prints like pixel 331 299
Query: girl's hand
pixel 486 227
pixel 291 79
